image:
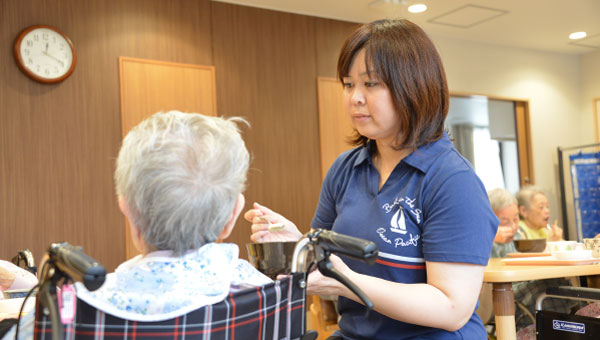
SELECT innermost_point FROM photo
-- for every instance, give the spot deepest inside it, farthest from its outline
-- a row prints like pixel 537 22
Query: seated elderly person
pixel 179 180
pixel 535 215
pixel 504 205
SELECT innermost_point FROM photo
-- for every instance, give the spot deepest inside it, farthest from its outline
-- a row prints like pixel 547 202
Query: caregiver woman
pixel 404 187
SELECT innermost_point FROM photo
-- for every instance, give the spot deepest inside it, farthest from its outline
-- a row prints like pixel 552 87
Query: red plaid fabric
pixel 274 311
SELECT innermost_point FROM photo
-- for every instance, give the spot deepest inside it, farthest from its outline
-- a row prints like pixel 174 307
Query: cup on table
pixel 562 246
pixel 594 245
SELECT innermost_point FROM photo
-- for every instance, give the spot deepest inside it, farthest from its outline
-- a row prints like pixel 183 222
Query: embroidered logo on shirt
pixel 408 201
pixel 398 223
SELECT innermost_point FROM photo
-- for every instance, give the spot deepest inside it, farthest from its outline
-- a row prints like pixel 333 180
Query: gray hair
pixel 181 174
pixel 525 195
pixel 501 198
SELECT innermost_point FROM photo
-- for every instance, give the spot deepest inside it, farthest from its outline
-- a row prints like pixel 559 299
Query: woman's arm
pixel 446 301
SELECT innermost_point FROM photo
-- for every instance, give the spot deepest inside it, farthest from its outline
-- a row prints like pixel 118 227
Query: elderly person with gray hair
pixel 535 215
pixel 504 205
pixel 179 180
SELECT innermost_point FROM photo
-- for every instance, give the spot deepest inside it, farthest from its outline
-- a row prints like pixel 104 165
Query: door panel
pixel 149 86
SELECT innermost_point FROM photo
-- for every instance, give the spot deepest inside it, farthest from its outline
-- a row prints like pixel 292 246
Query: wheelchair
pixel 273 311
pixel 561 326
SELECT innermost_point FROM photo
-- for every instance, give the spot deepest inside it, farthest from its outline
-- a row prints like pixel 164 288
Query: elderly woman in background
pixel 535 215
pixel 504 205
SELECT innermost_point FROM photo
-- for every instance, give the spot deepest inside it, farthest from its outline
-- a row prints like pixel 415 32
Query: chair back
pixel 273 311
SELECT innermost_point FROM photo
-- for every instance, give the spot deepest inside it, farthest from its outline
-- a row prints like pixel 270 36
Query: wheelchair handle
pixel 323 243
pixel 354 247
pixel 79 266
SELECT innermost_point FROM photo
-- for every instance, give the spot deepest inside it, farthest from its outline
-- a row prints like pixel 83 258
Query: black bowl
pixel 531 246
pixel 271 258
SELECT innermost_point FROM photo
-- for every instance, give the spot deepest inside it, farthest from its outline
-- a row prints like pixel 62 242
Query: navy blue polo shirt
pixel 432 208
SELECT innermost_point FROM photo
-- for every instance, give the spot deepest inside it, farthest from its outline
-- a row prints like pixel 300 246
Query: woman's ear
pixel 237 209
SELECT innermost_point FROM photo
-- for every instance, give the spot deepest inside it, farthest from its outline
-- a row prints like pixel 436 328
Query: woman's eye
pixel 348 85
pixel 371 83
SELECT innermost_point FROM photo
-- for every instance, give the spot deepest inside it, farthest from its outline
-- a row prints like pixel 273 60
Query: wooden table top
pixel 497 271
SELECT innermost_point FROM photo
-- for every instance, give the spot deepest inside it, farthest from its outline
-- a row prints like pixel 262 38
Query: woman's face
pixel 538 214
pixel 368 103
pixel 509 217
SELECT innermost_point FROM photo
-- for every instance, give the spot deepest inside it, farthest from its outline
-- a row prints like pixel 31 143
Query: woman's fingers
pixel 264 210
pixel 258 237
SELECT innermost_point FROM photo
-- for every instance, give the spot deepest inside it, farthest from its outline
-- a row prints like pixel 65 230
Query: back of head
pixel 526 194
pixel 501 198
pixel 180 174
pixel 401 54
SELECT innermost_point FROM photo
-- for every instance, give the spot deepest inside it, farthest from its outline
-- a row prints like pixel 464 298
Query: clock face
pixel 45 54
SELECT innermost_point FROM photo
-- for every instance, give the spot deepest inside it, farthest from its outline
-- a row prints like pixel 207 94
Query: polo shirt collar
pixel 422 158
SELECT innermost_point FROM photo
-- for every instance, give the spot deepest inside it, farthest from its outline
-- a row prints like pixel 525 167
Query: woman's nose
pixel 357 97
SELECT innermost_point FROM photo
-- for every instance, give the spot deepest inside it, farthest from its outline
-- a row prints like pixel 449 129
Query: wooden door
pixel 334 124
pixel 149 86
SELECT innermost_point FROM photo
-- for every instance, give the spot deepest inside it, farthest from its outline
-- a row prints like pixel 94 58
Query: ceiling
pixel 535 24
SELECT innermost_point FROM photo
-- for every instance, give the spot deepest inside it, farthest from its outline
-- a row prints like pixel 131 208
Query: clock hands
pixel 53 57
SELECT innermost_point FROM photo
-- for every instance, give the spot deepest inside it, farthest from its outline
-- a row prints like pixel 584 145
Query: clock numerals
pixel 45 54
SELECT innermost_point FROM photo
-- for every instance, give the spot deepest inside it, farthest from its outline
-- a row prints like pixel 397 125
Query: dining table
pixel 501 274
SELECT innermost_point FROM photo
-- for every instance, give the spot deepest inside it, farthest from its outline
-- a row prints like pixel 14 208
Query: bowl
pixel 562 246
pixel 531 246
pixel 572 254
pixel 271 258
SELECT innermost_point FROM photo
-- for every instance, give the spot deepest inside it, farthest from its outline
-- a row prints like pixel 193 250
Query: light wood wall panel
pixel 334 125
pixel 266 71
pixel 58 142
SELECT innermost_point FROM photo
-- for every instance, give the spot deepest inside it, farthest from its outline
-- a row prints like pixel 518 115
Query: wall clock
pixel 45 54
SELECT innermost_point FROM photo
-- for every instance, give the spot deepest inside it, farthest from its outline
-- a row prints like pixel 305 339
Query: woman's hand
pixel 262 217
pixel 556 232
pixel 318 284
pixel 504 234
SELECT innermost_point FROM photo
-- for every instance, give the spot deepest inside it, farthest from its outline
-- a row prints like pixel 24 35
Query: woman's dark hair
pixel 405 59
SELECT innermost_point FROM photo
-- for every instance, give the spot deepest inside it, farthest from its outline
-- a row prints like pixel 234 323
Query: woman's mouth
pixel 360 117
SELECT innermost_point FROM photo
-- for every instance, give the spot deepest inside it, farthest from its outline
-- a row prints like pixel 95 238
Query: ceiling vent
pixel 467 16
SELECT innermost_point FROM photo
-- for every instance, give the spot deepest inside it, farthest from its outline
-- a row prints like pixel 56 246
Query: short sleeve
pixel 326 212
pixel 459 225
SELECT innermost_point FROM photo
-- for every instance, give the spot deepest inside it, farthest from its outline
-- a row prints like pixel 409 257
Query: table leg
pixel 593 281
pixel 504 311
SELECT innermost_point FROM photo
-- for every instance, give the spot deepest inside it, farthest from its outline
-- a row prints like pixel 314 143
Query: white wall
pixel 590 88
pixel 549 81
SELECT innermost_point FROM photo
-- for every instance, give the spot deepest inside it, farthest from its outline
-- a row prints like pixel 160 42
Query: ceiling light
pixel 418 8
pixel 577 35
